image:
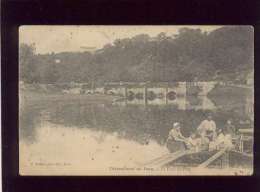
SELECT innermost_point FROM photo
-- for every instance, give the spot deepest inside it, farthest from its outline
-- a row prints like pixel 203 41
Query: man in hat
pixel 207 128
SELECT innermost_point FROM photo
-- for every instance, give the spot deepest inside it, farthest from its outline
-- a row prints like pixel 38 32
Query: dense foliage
pixel 224 53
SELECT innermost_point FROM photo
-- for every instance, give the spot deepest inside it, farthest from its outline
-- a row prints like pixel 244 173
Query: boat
pixel 241 156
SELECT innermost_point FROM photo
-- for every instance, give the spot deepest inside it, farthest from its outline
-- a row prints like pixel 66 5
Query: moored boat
pixel 240 156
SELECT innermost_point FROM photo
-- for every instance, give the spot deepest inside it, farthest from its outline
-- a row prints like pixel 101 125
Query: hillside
pixel 192 54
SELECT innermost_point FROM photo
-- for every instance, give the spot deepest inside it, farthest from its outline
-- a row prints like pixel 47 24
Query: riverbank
pixel 32 97
pixel 230 90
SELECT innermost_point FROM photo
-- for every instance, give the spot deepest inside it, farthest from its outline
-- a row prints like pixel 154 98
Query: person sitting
pixel 191 141
pixel 194 142
pixel 176 141
pixel 221 141
pixel 229 128
pixel 207 128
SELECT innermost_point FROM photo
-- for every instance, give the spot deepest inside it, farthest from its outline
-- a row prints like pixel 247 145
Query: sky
pixel 56 38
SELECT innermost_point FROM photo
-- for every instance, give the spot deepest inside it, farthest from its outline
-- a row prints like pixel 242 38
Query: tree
pixel 28 69
pixel 182 57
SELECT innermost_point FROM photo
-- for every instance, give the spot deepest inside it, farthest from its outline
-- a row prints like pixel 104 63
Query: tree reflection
pixel 134 122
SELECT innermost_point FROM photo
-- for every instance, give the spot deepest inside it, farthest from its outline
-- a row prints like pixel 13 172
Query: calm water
pixel 78 137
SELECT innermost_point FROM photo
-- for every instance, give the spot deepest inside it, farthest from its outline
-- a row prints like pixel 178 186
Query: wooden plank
pixel 159 159
pixel 170 158
pixel 212 158
pixel 250 130
pixel 242 153
pixel 153 161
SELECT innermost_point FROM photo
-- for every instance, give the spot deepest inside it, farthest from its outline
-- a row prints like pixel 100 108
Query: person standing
pixel 207 128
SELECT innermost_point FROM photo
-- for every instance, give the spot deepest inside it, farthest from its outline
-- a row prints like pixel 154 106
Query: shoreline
pixel 25 96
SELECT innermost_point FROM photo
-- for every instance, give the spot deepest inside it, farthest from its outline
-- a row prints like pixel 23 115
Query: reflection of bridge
pixel 183 95
pixel 180 102
pixel 169 90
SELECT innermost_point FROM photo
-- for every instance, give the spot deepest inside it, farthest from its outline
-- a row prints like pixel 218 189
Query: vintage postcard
pixel 136 100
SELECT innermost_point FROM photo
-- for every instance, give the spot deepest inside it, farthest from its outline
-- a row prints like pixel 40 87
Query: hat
pixel 176 124
pixel 220 130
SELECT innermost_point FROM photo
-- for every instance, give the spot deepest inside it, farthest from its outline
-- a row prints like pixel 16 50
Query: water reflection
pixel 178 102
pixel 82 151
pixel 130 131
pixel 133 120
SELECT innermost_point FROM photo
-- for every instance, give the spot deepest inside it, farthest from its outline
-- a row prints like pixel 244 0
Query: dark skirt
pixel 174 146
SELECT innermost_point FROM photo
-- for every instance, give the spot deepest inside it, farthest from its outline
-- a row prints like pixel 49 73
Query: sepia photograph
pixel 133 100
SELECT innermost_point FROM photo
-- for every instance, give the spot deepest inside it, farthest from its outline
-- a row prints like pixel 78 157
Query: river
pixel 80 138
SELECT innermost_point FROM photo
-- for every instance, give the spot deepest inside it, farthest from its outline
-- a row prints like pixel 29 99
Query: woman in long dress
pixel 176 141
